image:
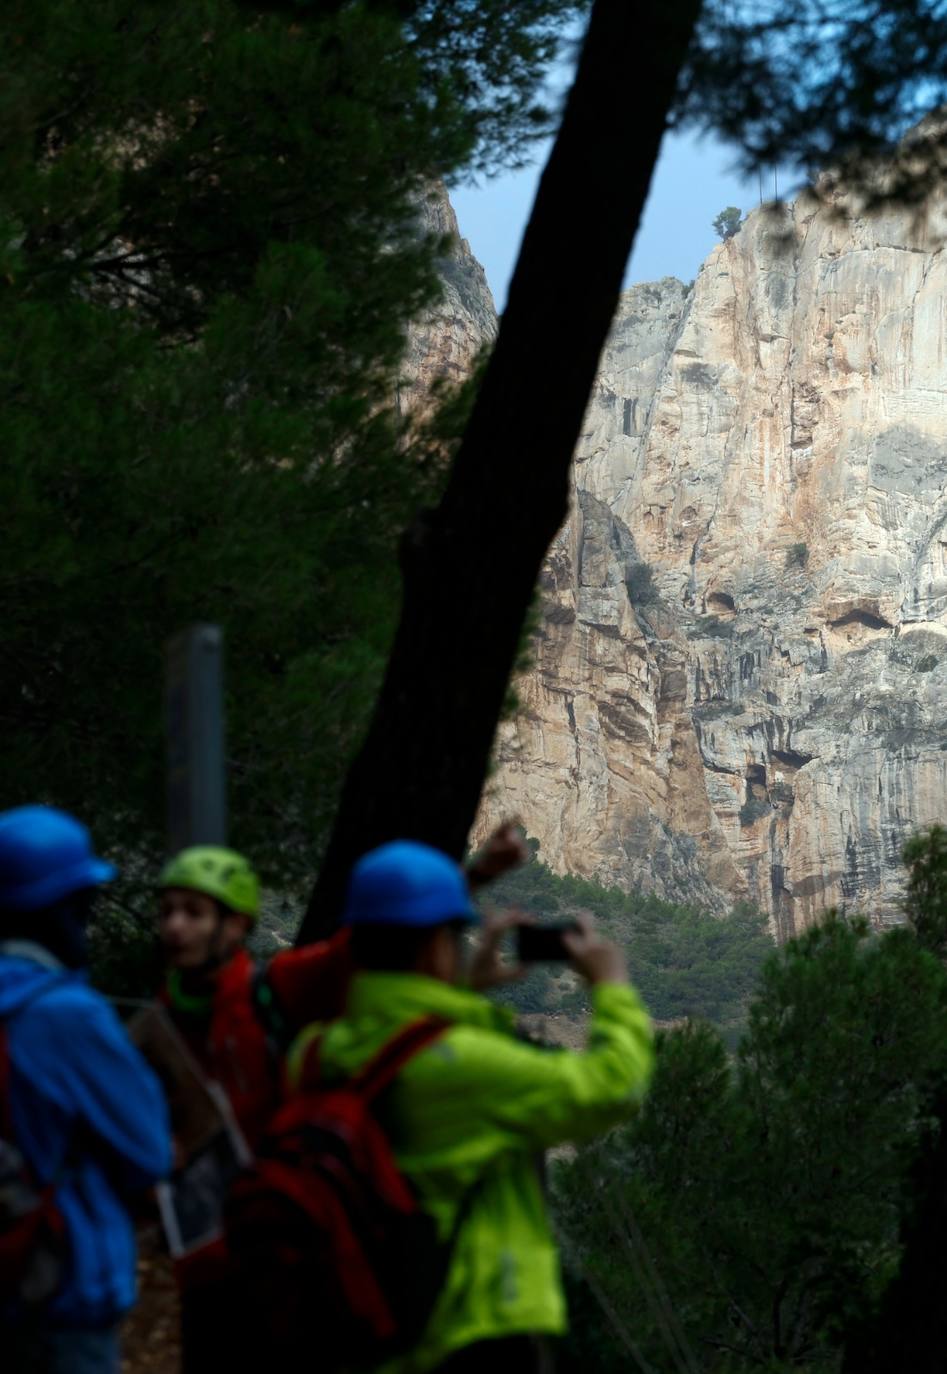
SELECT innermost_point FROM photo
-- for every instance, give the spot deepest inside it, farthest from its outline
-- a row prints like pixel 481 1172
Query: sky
pixel 692 183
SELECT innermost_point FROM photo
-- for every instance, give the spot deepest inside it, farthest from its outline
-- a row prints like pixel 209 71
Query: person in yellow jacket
pixel 467 1116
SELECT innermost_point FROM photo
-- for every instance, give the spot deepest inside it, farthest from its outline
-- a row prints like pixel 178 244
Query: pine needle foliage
pixel 209 255
pixel 766 1191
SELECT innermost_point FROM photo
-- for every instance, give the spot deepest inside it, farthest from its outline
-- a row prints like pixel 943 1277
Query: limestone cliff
pixel 741 672
pixel 445 343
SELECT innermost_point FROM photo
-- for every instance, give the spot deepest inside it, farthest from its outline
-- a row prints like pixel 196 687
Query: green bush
pixel 639 580
pixel 712 626
pixel 753 809
pixel 797 555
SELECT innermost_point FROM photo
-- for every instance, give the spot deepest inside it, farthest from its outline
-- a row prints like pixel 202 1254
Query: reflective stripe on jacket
pixel 466 1118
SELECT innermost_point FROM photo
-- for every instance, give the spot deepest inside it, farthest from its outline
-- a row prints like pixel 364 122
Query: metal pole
pixel 194 723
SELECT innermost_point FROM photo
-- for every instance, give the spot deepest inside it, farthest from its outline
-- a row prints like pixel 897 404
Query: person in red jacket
pixel 237 1016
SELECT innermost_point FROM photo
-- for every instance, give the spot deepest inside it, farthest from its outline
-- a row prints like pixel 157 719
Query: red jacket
pixel 253 1012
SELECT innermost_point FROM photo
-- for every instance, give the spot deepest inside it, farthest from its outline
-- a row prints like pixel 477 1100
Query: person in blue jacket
pixel 87 1113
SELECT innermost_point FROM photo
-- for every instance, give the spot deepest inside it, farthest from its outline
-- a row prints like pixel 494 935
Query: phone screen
pixel 542 944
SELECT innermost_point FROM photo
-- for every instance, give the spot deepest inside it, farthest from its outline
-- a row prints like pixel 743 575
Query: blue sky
pixel 691 184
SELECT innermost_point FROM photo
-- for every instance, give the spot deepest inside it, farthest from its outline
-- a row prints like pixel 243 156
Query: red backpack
pixel 31 1227
pixel 337 1261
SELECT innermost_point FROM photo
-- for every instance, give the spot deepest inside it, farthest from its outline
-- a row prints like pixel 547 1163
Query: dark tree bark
pixel 910 1330
pixel 470 567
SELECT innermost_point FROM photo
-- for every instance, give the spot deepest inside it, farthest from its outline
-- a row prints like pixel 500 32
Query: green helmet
pixel 220 873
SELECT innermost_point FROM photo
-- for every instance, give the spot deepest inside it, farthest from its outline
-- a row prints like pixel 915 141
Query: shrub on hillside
pixel 762 1197
pixel 685 962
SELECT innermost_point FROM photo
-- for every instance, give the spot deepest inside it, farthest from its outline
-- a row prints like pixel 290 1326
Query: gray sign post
pixel 194 723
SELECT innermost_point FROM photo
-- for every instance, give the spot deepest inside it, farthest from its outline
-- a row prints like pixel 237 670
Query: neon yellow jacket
pixel 473 1109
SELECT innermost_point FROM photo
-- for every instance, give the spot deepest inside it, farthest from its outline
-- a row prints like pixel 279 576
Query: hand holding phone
pixel 488 968
pixel 594 958
pixel 537 944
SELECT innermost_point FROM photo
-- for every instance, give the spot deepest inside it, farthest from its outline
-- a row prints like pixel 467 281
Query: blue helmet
pixel 407 884
pixel 44 856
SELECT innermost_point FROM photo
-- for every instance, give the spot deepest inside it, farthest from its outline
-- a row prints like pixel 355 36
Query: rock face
pixel 445 343
pixel 741 672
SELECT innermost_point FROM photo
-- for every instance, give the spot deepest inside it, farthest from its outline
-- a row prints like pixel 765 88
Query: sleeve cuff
pixel 616 999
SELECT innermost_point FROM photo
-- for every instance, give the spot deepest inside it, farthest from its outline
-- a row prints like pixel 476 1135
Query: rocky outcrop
pixel 740 677
pixel 445 343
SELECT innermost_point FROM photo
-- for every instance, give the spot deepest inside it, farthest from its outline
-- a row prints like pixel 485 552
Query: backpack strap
pixel 395 1053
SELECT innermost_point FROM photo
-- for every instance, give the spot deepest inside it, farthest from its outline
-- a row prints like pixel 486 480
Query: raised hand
pixel 488 968
pixel 504 850
pixel 594 959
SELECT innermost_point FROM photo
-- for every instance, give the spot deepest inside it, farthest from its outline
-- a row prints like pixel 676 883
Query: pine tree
pixel 766 1194
pixel 727 223
pixel 209 255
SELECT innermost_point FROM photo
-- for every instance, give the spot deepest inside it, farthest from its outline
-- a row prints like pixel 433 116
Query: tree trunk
pixel 470 567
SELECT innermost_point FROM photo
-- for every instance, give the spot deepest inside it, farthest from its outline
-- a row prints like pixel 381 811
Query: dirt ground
pixel 150 1339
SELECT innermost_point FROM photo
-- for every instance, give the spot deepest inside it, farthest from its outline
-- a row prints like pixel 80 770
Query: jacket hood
pixel 22 976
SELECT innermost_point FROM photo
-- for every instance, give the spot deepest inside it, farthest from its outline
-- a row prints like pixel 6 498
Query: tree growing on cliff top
pixel 727 223
pixel 209 254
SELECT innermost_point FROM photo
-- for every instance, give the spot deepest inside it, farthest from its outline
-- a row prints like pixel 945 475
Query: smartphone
pixel 542 944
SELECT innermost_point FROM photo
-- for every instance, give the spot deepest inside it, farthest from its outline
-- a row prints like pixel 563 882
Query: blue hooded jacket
pixel 87 1113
